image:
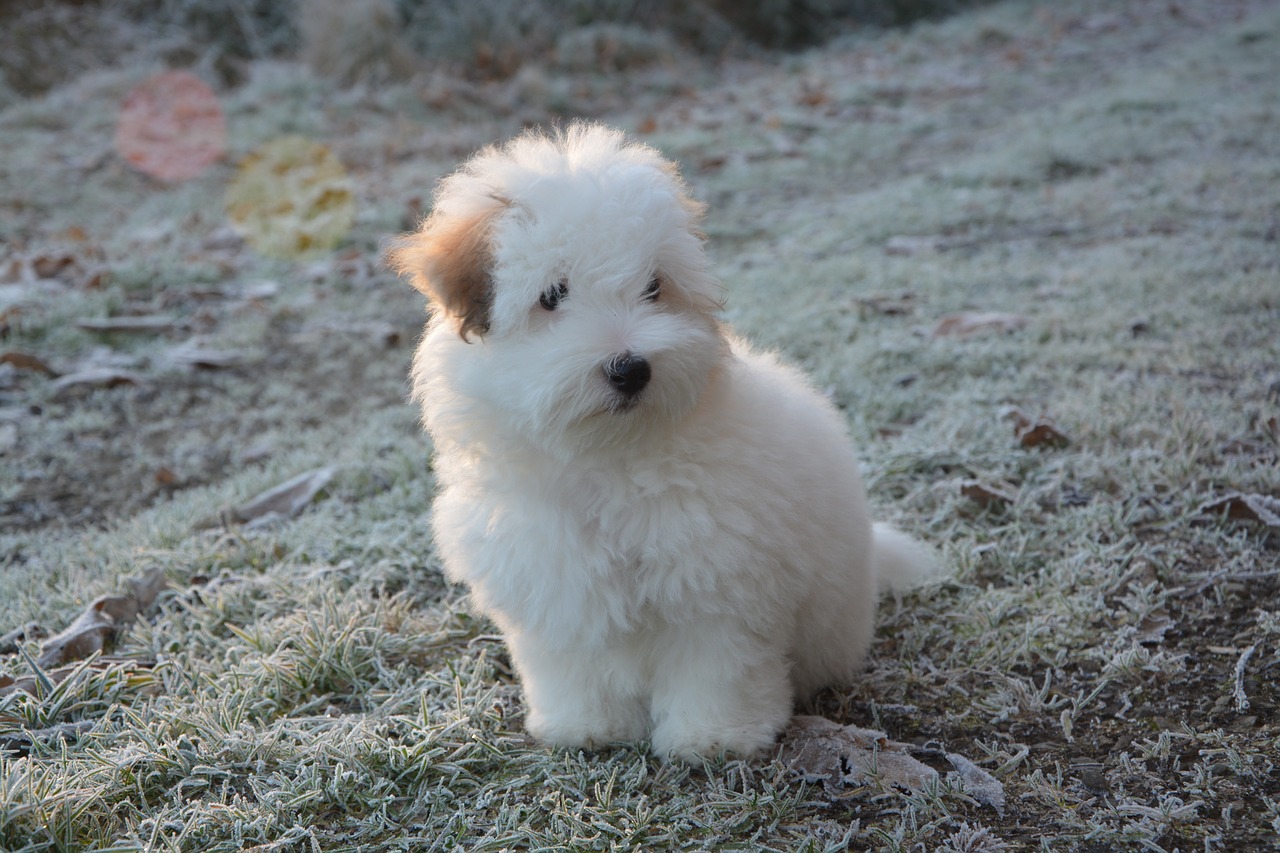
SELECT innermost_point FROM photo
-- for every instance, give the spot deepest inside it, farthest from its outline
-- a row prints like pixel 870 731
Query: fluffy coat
pixel 668 527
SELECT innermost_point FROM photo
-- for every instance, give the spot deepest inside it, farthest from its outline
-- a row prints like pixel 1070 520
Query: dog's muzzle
pixel 628 374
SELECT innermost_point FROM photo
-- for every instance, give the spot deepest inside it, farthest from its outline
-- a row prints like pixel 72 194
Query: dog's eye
pixel 551 297
pixel 654 290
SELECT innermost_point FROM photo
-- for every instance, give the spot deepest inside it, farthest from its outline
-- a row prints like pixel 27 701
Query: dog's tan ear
pixel 450 259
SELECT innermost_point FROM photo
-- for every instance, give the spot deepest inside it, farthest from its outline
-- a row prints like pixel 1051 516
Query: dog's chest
pixel 632 512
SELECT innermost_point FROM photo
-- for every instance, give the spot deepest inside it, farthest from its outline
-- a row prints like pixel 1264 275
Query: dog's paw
pixel 690 743
pixel 583 730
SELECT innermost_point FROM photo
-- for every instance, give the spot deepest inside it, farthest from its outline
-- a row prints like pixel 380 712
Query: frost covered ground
pixel 1032 251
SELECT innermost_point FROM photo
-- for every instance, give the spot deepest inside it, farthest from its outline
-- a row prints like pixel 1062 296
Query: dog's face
pixel 573 273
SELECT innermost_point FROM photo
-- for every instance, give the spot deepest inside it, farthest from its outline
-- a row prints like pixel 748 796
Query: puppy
pixel 667 526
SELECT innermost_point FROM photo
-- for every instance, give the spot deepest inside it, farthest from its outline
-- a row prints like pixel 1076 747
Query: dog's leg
pixel 579 698
pixel 718 688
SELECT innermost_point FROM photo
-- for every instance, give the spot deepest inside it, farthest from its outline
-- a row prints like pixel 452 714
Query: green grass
pixel 1100 644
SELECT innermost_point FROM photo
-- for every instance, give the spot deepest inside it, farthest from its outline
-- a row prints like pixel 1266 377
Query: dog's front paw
pixel 582 729
pixel 690 742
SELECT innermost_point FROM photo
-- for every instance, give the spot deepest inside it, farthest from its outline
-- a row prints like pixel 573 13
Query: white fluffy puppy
pixel 668 527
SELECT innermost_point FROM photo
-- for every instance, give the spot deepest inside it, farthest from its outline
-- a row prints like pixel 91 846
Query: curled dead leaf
pixel 94 377
pixel 25 361
pixel 139 324
pixel 10 642
pixel 201 358
pixel 18 743
pixel 285 500
pixel 987 495
pixel 820 750
pixel 965 324
pixel 1244 507
pixel 102 621
pixel 976 782
pixel 1043 434
pixel 1153 627
pixel 1040 432
pixel 53 265
pixel 888 304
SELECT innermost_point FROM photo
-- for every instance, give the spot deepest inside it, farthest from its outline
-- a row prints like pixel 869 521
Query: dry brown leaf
pixel 887 304
pixel 52 265
pixel 148 323
pixel 976 782
pixel 965 324
pixel 9 642
pixel 285 500
pixel 1245 507
pixel 820 750
pixel 94 377
pixel 987 495
pixel 1153 627
pixel 1037 432
pixel 25 361
pixel 206 359
pixel 101 622
pixel 19 742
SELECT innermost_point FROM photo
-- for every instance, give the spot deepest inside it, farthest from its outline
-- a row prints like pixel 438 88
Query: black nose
pixel 628 373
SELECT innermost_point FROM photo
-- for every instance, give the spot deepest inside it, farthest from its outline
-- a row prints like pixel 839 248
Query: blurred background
pixel 43 44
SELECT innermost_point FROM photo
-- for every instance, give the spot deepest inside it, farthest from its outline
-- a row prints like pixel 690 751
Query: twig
pixel 1205 581
pixel 1242 700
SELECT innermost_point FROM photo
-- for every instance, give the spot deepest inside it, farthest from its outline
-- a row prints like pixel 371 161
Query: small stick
pixel 1242 700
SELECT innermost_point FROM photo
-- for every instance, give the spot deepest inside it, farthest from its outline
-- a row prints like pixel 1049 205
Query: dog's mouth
pixel 622 405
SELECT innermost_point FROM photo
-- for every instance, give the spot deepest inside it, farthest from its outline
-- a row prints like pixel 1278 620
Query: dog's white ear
pixel 694 208
pixel 450 259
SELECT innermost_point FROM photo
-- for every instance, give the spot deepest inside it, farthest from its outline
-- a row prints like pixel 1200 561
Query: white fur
pixel 680 569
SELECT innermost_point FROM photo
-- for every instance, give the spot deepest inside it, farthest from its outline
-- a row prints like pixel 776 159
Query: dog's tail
pixel 899 562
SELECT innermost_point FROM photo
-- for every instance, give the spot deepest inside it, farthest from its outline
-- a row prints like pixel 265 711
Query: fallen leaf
pixel 94 377
pixel 820 750
pixel 1035 432
pixel 965 324
pixel 976 782
pixel 24 361
pixel 101 622
pixel 285 500
pixel 1244 507
pixel 52 265
pixel 10 642
pixel 259 451
pixel 887 304
pixel 150 323
pixel 18 743
pixel 1153 627
pixel 206 359
pixel 987 495
pixel 260 290
pixel 223 239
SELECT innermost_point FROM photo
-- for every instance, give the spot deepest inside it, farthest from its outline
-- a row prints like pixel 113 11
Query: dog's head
pixel 569 274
